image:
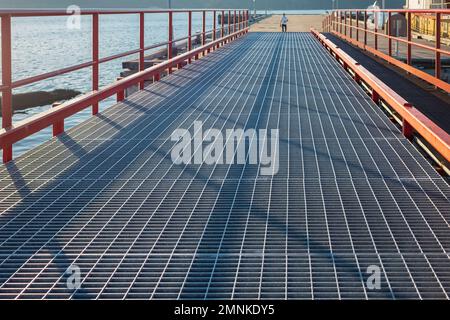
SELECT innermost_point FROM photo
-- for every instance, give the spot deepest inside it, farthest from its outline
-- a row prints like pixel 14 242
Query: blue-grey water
pixel 44 44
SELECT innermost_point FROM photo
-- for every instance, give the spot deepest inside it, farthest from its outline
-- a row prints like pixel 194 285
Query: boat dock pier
pixel 357 182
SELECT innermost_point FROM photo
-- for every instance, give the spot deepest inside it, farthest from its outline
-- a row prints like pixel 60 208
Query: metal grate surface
pixel 350 193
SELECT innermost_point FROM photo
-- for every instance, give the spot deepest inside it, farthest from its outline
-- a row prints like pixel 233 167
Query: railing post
pixel 214 28
pixel 170 46
pixel 229 21
pixel 234 21
pixel 204 28
pixel 345 17
pixel 95 57
pixel 350 25
pixel 240 21
pixel 222 21
pixel 141 46
pixel 330 23
pixel 120 95
pixel 7 82
pixel 437 65
pixel 338 21
pixel 389 34
pixel 189 33
pixel 407 129
pixel 365 28
pixel 357 25
pixel 248 19
pixel 375 19
pixel 408 35
pixel 58 126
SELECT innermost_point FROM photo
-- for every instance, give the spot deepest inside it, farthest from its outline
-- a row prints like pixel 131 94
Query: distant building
pixel 427 4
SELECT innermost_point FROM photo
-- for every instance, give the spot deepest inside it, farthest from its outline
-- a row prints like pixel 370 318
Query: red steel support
pixel 58 126
pixel 170 46
pixel 222 20
pixel 204 28
pixel 389 27
pixel 120 95
pixel 214 23
pixel 222 26
pixel 246 18
pixel 189 33
pixel 141 46
pixel 365 28
pixel 437 65
pixel 6 82
pixel 95 58
pixel 375 14
pixel 375 96
pixel 357 25
pixel 240 20
pixel 229 22
pixel 408 34
pixel 345 22
pixel 337 25
pixel 234 21
pixel 350 25
pixel 407 129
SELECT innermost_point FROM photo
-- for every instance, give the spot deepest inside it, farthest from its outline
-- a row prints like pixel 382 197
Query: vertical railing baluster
pixel 357 26
pixel 375 19
pixel 214 23
pixel 7 83
pixel 222 21
pixel 365 28
pixel 408 35
pixel 204 28
pixel 170 46
pixel 351 25
pixel 234 21
pixel 345 22
pixel 95 58
pixel 141 46
pixel 389 33
pixel 58 126
pixel 189 33
pixel 229 21
pixel 437 65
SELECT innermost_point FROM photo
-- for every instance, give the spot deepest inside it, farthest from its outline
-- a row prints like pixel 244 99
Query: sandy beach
pixel 297 23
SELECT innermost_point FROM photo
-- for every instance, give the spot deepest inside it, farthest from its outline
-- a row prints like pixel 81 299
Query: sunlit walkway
pixel 351 194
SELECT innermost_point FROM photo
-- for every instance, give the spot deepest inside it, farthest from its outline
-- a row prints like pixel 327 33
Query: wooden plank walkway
pixel 351 194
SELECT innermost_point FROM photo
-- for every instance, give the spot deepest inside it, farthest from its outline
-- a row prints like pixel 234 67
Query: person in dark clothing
pixel 283 23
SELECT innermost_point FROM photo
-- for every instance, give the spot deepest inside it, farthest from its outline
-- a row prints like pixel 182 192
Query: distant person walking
pixel 283 23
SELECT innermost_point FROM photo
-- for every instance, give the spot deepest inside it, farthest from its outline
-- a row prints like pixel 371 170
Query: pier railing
pixel 413 122
pixel 220 34
pixel 389 34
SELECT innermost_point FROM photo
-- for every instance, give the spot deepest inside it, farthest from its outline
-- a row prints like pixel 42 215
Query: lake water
pixel 44 44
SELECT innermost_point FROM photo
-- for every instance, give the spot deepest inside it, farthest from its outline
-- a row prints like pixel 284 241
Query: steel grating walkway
pixel 351 193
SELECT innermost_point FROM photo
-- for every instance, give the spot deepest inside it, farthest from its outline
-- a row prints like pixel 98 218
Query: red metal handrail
pixel 412 118
pixel 12 133
pixel 340 23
